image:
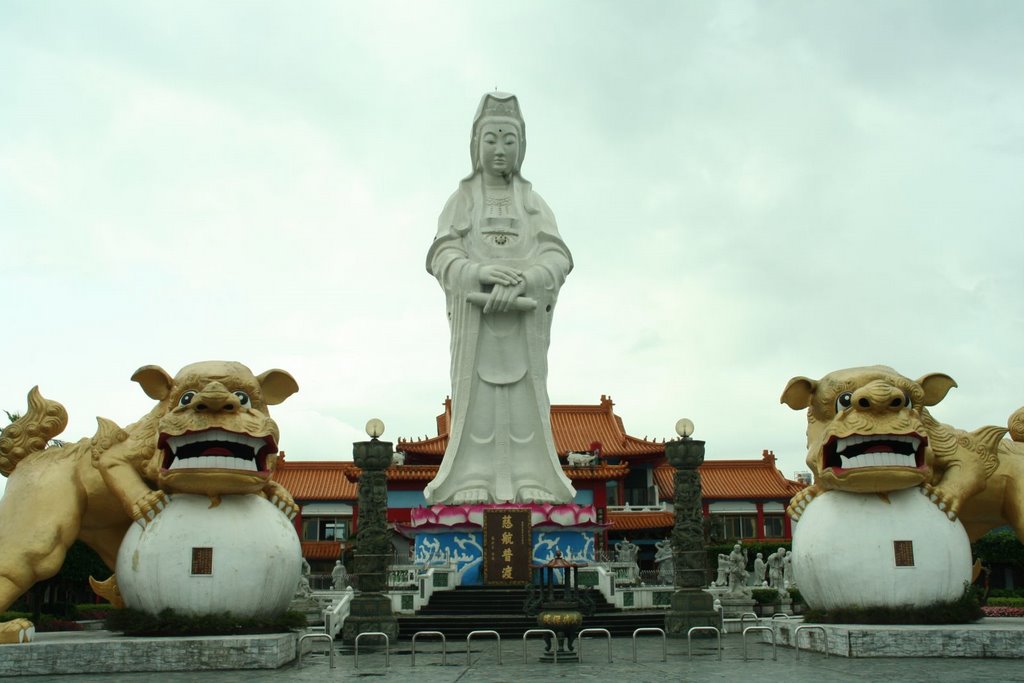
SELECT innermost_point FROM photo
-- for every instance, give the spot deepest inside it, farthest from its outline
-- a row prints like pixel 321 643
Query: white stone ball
pixel 843 551
pixel 256 558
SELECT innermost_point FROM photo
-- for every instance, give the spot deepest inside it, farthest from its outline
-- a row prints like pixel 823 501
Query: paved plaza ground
pixel 704 666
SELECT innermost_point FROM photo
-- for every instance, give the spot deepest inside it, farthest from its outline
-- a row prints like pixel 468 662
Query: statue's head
pixel 498 119
pixel 867 430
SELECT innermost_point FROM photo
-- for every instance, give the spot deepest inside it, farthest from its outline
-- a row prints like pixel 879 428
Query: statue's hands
pixel 493 274
pixel 502 297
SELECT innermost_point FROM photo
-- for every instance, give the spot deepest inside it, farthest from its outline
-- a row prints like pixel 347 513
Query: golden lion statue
pixel 869 431
pixel 209 434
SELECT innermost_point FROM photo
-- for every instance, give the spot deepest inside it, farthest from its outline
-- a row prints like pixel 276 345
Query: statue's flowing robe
pixel 500 433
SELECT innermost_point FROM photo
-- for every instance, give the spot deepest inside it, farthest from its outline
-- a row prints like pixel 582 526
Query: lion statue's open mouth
pixel 216 449
pixel 874 450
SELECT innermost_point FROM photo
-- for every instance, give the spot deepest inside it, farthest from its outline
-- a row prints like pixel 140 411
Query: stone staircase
pixel 472 608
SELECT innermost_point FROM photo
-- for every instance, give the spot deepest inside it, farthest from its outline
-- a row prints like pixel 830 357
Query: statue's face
pixel 499 149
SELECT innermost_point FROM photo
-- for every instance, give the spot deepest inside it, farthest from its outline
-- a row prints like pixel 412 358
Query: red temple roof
pixel 733 479
pixel 575 428
pixel 631 521
pixel 316 479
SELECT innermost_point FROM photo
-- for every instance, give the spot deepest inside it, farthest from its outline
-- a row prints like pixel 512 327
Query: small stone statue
pixel 723 570
pixel 339 576
pixel 501 262
pixel 776 569
pixel 663 558
pixel 626 551
pixel 759 568
pixel 303 589
pixel 738 571
pixel 787 571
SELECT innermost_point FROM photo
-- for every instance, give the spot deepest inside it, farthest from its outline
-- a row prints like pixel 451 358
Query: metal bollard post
pixel 664 644
pixel 596 631
pixel 387 647
pixel 444 645
pixel 698 629
pixel 810 627
pixel 481 633
pixel 769 629
pixel 541 631
pixel 317 636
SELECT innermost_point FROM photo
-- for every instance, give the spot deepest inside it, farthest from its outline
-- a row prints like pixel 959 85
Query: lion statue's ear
pixel 277 385
pixel 154 381
pixel 798 393
pixel 936 386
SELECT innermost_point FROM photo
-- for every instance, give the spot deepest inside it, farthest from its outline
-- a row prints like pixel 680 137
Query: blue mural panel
pixel 465 549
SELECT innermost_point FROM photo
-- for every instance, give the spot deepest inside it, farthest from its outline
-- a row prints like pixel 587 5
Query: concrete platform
pixel 992 637
pixel 104 652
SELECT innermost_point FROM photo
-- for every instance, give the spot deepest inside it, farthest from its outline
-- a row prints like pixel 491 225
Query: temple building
pixel 627 479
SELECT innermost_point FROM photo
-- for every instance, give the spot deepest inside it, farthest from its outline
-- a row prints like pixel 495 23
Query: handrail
pixel 335 615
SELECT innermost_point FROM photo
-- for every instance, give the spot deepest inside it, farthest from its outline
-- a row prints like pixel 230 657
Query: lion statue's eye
pixel 186 398
pixel 243 398
pixel 844 401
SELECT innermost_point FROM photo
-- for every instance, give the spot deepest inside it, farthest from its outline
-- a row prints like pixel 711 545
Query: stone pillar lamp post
pixel 691 605
pixel 371 607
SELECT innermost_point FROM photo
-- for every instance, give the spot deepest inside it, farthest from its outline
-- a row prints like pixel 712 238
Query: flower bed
pixel 1003 611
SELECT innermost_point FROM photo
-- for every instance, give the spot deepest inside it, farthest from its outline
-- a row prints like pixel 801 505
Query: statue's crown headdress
pixel 507 107
pixel 498 105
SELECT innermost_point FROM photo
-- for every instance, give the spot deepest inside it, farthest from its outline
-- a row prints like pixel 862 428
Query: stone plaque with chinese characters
pixel 506 546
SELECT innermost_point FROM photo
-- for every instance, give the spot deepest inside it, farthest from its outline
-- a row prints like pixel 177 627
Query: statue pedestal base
pixel 452 535
pixel 690 607
pixel 370 612
pixel 734 606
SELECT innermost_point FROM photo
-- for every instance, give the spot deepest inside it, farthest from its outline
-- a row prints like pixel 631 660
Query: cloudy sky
pixel 751 191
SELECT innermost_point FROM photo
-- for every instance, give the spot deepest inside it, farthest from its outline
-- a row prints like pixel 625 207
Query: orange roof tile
pixel 733 479
pixel 575 428
pixel 630 521
pixel 316 480
pixel 321 550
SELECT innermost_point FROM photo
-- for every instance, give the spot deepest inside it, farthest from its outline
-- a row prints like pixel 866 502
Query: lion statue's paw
pixel 17 631
pixel 942 500
pixel 149 506
pixel 286 505
pixel 800 502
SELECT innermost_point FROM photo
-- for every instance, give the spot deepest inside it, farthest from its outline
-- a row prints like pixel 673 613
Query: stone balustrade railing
pixel 337 612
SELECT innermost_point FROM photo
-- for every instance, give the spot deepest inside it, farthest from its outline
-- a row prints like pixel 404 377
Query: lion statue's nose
pixel 216 398
pixel 879 396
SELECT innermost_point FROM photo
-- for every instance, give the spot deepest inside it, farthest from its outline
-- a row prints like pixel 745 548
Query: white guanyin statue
pixel 501 262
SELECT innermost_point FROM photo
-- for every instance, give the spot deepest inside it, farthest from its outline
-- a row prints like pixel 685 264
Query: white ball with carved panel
pixel 845 551
pixel 241 556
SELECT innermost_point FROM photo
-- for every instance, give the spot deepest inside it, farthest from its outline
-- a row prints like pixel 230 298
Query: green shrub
pixel 170 623
pixel 1006 602
pixel 1006 593
pixel 86 611
pixel 999 546
pixel 962 611
pixel 765 596
pixel 796 596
